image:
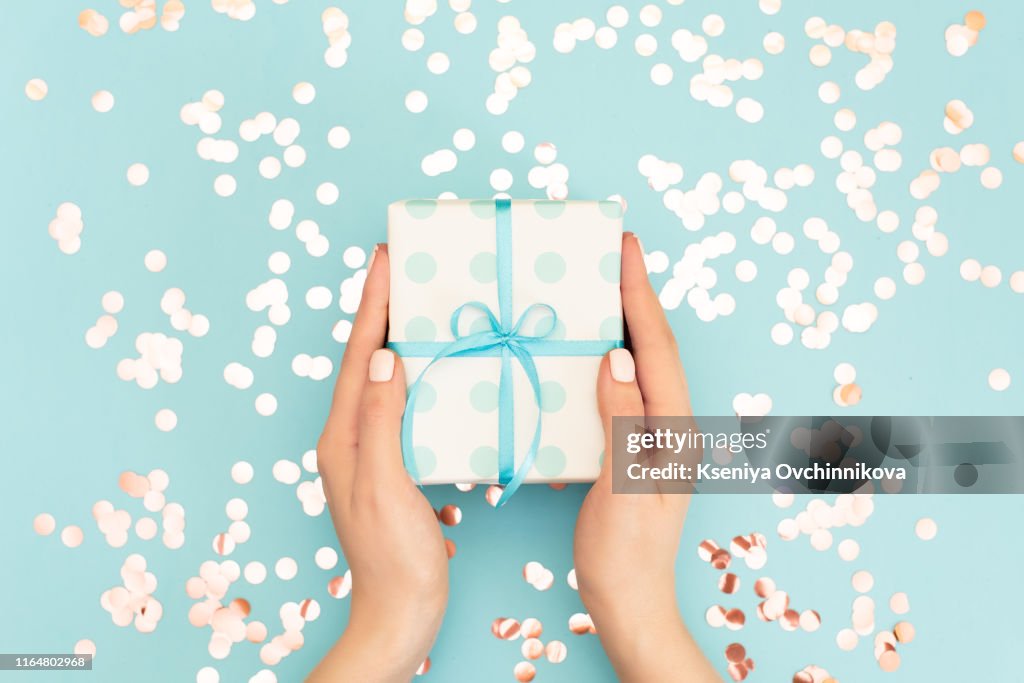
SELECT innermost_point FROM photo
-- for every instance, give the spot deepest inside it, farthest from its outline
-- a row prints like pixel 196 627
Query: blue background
pixel 70 426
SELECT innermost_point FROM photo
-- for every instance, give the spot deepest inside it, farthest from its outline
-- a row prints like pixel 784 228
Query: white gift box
pixel 538 287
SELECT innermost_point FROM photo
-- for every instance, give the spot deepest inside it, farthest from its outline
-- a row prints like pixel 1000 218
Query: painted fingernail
pixel 639 243
pixel 373 255
pixel 622 366
pixel 382 365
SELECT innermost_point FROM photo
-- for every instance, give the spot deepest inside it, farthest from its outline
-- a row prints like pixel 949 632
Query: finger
pixel 379 459
pixel 618 395
pixel 368 335
pixel 658 366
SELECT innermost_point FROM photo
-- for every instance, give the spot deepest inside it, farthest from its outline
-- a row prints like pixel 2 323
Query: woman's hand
pixel 389 533
pixel 626 543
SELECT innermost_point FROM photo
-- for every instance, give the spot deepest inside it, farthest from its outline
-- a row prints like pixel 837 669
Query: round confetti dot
pixel 746 270
pixel 513 142
pixel 304 92
pixel 483 267
pixel 146 528
pixel 609 267
pixel 338 137
pixel 965 474
pixel 420 267
pixel 155 260
pixel 426 460
pixel 438 63
pixel 113 302
pixel 926 528
pixel 326 558
pixel 286 568
pixel 327 193
pixel 774 43
pixel 354 257
pixel 899 603
pixel 255 573
pixel 846 639
pixel 999 379
pixel 102 101
pixel 549 267
pixel 71 536
pixel 225 185
pixel 848 550
pixel 781 334
pixel 484 396
pixel 661 74
pixel 749 109
pixel 138 174
pixel 483 461
pixel 862 581
pixel 550 461
pixel 501 179
pixel 464 139
pixel 416 101
pixel 279 263
pixel 413 39
pixel 44 524
pixel 166 419
pixel 207 675
pixel 269 167
pixel 266 404
pixel 420 329
pixel 36 89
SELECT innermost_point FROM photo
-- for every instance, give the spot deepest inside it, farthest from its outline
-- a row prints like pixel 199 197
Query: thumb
pixel 618 395
pixel 382 403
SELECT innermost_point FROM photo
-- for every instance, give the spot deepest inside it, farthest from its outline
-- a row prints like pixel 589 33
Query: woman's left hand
pixel 389 533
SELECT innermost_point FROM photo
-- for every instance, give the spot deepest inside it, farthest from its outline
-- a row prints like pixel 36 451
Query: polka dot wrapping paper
pixel 561 254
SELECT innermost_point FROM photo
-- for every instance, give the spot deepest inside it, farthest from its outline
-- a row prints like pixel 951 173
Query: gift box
pixel 501 311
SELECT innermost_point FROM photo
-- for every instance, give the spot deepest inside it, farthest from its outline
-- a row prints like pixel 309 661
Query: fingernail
pixel 373 255
pixel 639 243
pixel 622 366
pixel 382 365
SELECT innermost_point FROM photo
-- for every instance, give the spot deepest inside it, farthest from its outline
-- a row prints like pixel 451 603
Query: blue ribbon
pixel 501 339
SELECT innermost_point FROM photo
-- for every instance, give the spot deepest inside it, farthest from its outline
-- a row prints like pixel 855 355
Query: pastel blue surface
pixel 70 426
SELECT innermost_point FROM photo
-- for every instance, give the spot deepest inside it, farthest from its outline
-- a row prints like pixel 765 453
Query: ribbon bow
pixel 510 343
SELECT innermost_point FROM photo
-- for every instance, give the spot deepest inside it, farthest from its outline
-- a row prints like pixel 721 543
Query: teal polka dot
pixel 481 324
pixel 611 328
pixel 420 267
pixel 426 398
pixel 550 461
pixel 550 267
pixel 484 396
pixel 482 208
pixel 484 462
pixel 549 209
pixel 420 208
pixel 420 329
pixel 558 332
pixel 426 460
pixel 552 397
pixel 609 267
pixel 484 267
pixel 610 209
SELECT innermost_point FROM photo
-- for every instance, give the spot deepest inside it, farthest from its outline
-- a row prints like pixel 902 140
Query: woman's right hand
pixel 626 543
